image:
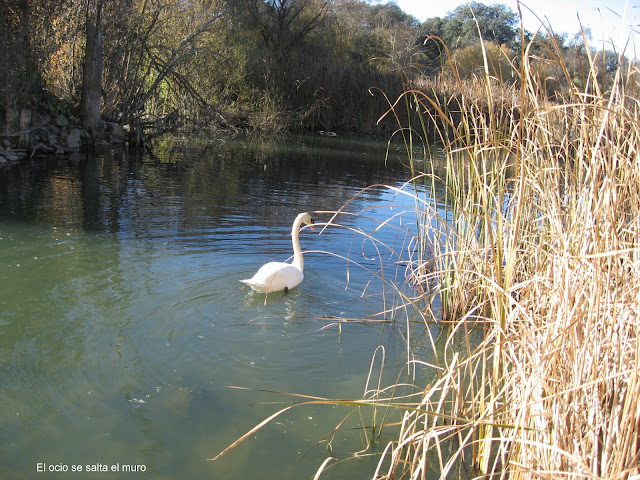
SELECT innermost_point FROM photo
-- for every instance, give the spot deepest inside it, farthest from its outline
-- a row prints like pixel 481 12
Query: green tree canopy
pixel 497 23
pixel 459 29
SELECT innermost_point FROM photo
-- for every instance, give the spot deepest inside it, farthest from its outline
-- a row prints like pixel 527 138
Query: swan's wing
pixel 275 277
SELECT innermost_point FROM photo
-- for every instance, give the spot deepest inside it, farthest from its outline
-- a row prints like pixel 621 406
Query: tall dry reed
pixel 542 252
pixel 534 272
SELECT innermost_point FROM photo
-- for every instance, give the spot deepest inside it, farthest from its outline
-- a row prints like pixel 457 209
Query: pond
pixel 123 323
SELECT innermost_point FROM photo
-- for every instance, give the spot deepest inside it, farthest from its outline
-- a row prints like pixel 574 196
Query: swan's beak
pixel 311 225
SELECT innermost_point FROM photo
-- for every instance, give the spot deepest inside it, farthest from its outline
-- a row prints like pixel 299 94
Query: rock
pixel 74 138
pixel 13 155
pixel 40 119
pixel 52 140
pixel 61 121
pixel 118 134
pixel 2 160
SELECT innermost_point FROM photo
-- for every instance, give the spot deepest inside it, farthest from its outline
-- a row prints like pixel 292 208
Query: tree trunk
pixel 92 77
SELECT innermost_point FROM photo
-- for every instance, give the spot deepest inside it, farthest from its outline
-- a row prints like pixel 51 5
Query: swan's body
pixel 279 276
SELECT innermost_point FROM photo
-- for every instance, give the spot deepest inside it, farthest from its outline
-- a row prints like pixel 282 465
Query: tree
pixel 497 23
pixel 399 33
pixel 606 65
pixel 459 29
pixel 92 74
pixel 149 51
pixel 431 43
pixel 283 27
pixel 25 28
pixel 470 61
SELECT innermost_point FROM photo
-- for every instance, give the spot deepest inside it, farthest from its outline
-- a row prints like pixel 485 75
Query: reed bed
pixel 542 253
pixel 533 273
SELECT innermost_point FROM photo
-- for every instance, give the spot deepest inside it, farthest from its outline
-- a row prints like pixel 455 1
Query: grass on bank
pixel 540 253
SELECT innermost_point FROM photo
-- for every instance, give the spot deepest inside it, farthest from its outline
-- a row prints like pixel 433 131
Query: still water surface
pixel 123 322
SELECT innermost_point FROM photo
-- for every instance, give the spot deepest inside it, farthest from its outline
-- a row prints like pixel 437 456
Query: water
pixel 123 322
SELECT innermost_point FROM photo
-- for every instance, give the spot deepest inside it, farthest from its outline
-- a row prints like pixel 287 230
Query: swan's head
pixel 305 219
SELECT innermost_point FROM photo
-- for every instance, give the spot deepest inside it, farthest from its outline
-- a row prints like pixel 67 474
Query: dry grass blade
pixel 543 250
pixel 530 259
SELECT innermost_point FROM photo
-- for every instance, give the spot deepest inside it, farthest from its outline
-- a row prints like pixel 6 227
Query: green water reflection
pixel 123 323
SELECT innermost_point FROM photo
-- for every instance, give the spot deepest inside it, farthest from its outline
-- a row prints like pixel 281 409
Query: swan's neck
pixel 298 262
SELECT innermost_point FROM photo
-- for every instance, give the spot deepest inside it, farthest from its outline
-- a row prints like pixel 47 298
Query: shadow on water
pixel 192 179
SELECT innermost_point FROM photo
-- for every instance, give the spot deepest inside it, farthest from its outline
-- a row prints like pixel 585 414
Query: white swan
pixel 278 276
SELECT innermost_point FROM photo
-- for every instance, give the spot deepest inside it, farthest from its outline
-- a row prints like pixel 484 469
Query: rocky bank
pixel 30 132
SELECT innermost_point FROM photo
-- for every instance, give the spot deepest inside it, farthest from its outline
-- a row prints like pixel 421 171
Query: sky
pixel 609 20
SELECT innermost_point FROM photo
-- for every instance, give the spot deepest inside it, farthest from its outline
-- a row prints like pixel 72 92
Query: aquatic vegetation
pixel 541 254
pixel 533 275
